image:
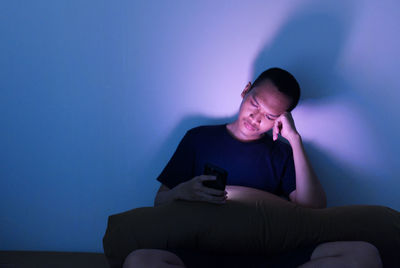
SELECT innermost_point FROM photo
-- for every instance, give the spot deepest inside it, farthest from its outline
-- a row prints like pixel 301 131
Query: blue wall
pixel 95 96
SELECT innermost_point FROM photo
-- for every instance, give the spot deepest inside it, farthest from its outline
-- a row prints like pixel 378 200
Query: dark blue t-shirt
pixel 262 164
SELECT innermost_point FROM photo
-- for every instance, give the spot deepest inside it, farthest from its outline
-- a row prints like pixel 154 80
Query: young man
pixel 253 158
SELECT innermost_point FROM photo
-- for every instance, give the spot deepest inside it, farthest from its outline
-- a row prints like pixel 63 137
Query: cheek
pixel 267 125
pixel 246 110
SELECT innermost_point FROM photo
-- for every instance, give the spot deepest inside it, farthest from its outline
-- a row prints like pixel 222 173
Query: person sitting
pixel 252 158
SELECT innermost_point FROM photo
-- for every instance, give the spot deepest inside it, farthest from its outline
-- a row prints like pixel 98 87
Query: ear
pixel 246 89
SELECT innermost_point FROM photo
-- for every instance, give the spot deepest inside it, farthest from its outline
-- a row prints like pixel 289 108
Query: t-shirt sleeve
pixel 180 167
pixel 288 179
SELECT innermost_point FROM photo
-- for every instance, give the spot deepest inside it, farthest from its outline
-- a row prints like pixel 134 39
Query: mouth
pixel 249 126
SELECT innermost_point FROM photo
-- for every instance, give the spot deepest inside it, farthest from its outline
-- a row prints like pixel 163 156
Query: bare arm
pixel 309 191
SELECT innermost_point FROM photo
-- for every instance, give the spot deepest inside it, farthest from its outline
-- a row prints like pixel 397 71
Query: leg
pixel 351 254
pixel 153 258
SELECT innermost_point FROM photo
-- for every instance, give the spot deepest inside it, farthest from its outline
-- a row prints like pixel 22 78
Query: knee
pixel 152 258
pixel 366 255
pixel 351 253
pixel 137 258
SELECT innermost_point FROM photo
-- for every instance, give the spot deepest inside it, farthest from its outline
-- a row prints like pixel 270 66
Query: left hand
pixel 284 125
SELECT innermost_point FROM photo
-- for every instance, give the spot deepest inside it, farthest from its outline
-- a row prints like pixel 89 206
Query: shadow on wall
pixel 341 183
pixel 308 46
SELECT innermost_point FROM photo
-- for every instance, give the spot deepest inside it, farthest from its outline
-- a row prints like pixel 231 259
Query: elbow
pixel 324 203
pixel 318 200
pixel 317 203
pixel 320 203
pixel 322 200
pixel 312 205
pixel 157 201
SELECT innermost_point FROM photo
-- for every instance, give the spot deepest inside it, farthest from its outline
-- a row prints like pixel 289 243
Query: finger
pixel 217 202
pixel 210 198
pixel 275 130
pixel 212 191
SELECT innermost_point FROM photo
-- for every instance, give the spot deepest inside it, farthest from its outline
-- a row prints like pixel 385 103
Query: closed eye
pixel 268 117
pixel 256 106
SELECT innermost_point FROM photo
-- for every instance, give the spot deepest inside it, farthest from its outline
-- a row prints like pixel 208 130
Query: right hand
pixel 194 190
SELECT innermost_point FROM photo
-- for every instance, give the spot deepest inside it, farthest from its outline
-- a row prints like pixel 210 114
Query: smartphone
pixel 221 174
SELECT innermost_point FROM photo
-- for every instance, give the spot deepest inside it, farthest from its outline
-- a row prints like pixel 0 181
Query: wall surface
pixel 95 96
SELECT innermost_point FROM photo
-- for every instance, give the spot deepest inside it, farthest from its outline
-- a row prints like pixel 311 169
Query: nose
pixel 256 116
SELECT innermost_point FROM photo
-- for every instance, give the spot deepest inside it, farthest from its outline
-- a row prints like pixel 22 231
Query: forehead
pixel 270 98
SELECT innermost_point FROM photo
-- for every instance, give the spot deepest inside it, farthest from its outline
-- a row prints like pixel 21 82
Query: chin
pixel 253 135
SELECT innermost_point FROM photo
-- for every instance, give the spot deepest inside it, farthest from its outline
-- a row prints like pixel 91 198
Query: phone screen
pixel 221 174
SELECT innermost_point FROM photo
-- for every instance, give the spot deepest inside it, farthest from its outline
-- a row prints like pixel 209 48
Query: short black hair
pixel 284 81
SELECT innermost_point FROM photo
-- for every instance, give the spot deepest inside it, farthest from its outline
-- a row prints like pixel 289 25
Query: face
pixel 260 107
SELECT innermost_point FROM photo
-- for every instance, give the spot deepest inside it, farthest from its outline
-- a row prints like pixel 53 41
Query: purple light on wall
pixel 213 66
pixel 338 127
